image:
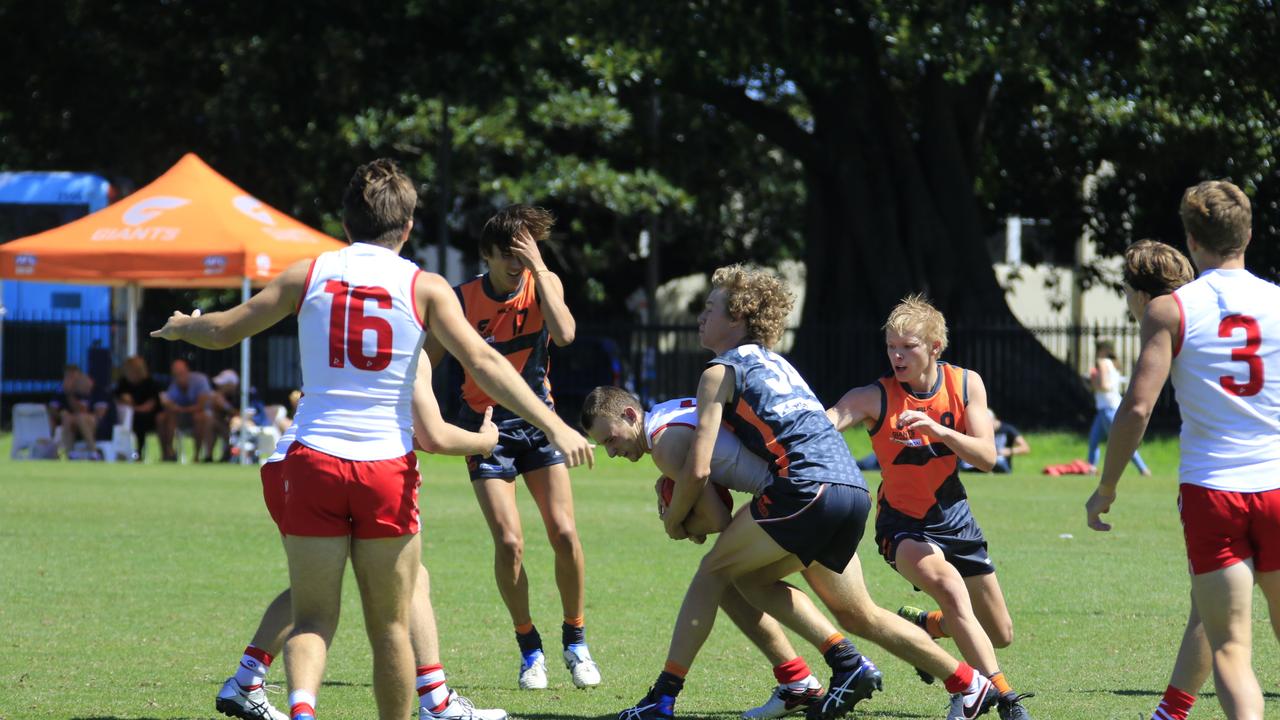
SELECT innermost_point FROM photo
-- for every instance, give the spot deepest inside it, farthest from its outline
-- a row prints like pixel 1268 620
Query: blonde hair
pixel 915 315
pixel 1155 268
pixel 758 298
pixel 1218 215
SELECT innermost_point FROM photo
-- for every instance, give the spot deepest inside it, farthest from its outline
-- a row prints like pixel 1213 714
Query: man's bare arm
pixel 1159 331
pixel 491 371
pixel 218 330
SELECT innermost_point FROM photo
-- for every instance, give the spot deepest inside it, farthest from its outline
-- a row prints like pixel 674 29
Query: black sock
pixel 529 642
pixel 572 635
pixel 668 684
pixel 843 656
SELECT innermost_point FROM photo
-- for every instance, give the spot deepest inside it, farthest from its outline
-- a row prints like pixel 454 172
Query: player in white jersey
pixel 615 419
pixel 243 696
pixel 1218 337
pixel 351 478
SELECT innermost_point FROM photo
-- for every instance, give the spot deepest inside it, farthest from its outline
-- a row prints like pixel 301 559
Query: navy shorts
pixel 821 522
pixel 954 531
pixel 521 448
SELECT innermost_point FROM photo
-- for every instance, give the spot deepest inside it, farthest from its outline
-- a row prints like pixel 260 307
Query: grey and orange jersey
pixel 777 417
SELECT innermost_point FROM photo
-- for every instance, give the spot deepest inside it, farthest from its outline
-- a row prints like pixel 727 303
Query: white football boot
pixel 234 701
pixel 460 708
pixel 585 672
pixel 534 675
pixel 786 701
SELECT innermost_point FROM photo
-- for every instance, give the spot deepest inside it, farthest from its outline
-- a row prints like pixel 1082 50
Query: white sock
pixel 253 668
pixel 300 702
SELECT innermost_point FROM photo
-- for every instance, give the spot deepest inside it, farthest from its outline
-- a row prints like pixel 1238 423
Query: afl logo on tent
pixel 215 264
pixel 24 264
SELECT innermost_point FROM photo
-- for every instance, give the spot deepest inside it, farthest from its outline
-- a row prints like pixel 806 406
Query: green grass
pixel 128 591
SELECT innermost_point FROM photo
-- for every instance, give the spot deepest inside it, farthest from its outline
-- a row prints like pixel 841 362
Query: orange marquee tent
pixel 190 228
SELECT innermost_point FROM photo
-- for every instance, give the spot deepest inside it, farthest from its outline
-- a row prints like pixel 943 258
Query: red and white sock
pixel 302 705
pixel 433 693
pixel 793 674
pixel 1175 705
pixel 964 680
pixel 253 668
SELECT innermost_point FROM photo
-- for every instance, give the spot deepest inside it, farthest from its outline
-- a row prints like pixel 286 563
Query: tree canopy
pixel 880 141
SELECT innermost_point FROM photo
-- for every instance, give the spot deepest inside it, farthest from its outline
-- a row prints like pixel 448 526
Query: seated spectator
pixel 186 405
pixel 138 390
pixel 84 413
pixel 229 421
pixel 1009 442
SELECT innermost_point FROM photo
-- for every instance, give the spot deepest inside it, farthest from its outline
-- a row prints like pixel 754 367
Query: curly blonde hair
pixel 758 298
pixel 1218 215
pixel 915 315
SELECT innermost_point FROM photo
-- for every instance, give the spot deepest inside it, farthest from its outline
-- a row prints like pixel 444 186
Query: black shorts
pixel 521 448
pixel 814 521
pixel 954 531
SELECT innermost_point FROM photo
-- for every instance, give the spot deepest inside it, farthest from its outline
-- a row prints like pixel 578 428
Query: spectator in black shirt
pixel 137 389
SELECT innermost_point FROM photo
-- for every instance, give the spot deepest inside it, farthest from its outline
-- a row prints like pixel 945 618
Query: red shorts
pixel 327 496
pixel 273 491
pixel 1223 528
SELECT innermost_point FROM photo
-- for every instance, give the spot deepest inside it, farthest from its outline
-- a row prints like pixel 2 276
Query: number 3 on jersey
pixel 348 324
pixel 1247 354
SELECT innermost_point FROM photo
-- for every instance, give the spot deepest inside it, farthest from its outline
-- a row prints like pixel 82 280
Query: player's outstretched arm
pixel 1159 328
pixel 977 446
pixel 218 330
pixel 492 371
pixel 714 390
pixel 433 433
pixel 859 405
pixel 560 323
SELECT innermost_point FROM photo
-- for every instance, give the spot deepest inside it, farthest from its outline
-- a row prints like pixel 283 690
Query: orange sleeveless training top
pixel 912 468
pixel 513 325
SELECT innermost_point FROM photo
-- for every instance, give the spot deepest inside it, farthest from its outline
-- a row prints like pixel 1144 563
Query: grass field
pixel 128 591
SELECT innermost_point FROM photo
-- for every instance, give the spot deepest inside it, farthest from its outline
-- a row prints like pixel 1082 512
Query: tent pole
pixel 131 292
pixel 245 291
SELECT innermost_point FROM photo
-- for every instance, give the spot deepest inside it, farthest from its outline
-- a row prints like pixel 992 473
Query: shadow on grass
pixel 1160 693
pixel 133 717
pixel 712 715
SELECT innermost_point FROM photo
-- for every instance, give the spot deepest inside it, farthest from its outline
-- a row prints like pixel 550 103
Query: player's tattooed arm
pixel 859 405
pixel 218 330
pixel 714 390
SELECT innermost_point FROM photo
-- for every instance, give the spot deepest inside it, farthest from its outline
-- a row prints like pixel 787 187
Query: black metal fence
pixel 1033 384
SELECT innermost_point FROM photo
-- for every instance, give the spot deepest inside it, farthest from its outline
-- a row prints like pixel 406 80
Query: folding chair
pixel 31 432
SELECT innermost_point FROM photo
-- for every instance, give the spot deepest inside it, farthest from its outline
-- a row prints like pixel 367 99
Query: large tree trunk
pixel 892 212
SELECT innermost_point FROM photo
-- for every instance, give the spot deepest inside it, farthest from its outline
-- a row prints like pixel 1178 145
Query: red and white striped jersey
pixel 359 333
pixel 732 465
pixel 1226 372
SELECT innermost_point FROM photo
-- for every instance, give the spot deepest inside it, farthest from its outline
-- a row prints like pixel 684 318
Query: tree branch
pixel 769 121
